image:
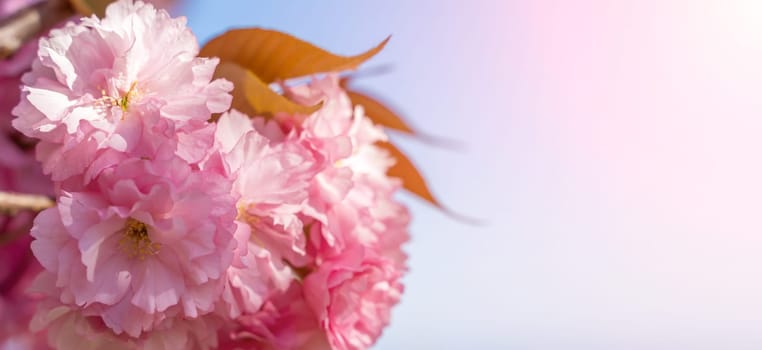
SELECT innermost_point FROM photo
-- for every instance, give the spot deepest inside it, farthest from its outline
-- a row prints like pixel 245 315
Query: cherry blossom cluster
pixel 182 224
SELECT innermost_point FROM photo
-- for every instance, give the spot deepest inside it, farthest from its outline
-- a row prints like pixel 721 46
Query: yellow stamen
pixel 245 216
pixel 124 102
pixel 136 242
pixel 251 220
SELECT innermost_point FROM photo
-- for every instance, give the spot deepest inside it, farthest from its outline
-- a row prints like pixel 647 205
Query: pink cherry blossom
pixel 369 212
pixel 352 296
pixel 351 199
pixel 92 80
pixel 283 322
pixel 69 329
pixel 356 226
pixel 145 242
pixel 369 216
pixel 326 135
pixel 271 179
pixel 254 277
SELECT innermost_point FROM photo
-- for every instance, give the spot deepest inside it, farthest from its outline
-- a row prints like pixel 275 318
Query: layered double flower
pixel 103 90
pixel 144 242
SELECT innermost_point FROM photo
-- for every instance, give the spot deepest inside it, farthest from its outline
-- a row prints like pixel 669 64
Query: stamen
pixel 245 216
pixel 122 102
pixel 136 242
pixel 251 220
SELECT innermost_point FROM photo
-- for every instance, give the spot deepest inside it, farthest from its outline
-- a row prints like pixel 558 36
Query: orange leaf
pixel 254 97
pixel 379 113
pixel 89 7
pixel 407 172
pixel 273 55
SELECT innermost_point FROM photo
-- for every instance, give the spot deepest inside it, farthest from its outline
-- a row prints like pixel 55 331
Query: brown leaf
pixel 379 113
pixel 89 7
pixel 405 170
pixel 273 55
pixel 254 97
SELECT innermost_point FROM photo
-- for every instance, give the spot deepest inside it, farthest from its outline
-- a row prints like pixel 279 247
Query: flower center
pixel 245 216
pixel 122 102
pixel 251 220
pixel 135 242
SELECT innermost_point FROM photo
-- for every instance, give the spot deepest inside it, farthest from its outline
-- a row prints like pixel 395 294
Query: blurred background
pixel 611 146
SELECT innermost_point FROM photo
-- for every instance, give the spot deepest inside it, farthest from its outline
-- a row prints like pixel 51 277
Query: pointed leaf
pixel 407 172
pixel 254 97
pixel 273 55
pixel 379 113
pixel 89 7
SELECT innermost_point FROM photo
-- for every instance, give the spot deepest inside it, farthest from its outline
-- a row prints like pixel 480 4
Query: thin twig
pixel 29 22
pixel 12 203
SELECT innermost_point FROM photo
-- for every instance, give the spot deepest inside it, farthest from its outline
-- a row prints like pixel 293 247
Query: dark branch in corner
pixel 29 22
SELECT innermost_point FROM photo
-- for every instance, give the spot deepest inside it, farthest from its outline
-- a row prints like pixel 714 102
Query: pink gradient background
pixel 613 146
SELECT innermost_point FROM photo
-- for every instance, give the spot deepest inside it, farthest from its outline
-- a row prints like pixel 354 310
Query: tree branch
pixel 29 22
pixel 11 203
